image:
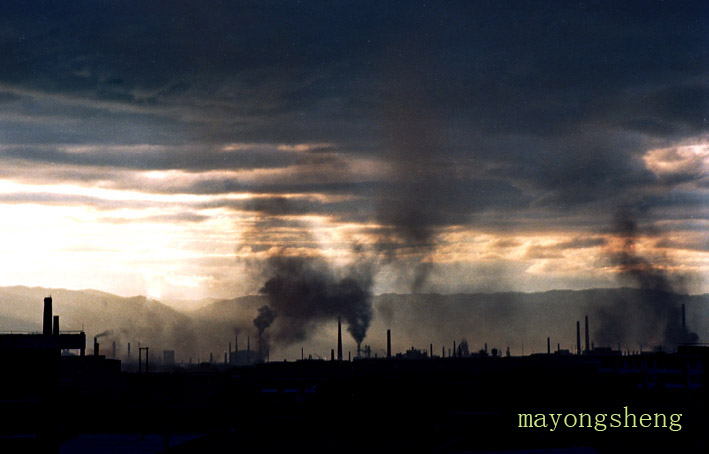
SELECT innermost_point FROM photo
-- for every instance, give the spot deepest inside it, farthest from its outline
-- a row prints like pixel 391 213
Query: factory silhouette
pixel 57 397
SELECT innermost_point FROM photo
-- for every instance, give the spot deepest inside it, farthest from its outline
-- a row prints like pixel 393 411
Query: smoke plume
pixel 265 317
pixel 306 292
pixel 655 314
pixel 423 190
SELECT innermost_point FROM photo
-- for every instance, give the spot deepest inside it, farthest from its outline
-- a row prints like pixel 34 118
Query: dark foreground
pixel 447 405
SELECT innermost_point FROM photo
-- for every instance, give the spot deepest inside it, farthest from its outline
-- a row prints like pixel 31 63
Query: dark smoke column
pixel 263 320
pixel 652 314
pixel 306 292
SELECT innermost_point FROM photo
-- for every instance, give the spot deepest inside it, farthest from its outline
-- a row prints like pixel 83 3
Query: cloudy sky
pixel 171 148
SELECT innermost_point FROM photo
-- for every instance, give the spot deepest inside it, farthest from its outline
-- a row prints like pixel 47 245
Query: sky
pixel 172 149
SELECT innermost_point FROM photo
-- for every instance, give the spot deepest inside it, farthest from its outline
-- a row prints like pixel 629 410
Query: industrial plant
pixel 62 398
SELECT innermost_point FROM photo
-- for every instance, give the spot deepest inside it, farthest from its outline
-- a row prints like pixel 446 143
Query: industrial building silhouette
pixel 61 399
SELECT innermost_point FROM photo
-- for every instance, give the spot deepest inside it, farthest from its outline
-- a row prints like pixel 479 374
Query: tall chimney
pixel 47 321
pixel 588 344
pixel 388 343
pixel 128 356
pixel 684 319
pixel 578 337
pixel 454 352
pixel 332 354
pixel 548 346
pixel 55 329
pixel 339 339
pixel 431 349
pixel 95 346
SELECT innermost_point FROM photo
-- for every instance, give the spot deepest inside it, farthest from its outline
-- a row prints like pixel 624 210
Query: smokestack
pixel 548 346
pixel 332 354
pixel 454 353
pixel 588 344
pixel 684 320
pixel 578 337
pixel 128 350
pixel 47 321
pixel 55 330
pixel 388 343
pixel 339 339
pixel 95 346
pixel 431 349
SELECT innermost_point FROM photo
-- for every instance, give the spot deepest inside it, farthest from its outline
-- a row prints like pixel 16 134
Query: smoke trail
pixel 263 320
pixel 306 292
pixel 654 314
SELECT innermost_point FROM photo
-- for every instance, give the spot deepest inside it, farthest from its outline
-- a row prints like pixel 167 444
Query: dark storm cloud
pixel 549 106
pixel 156 158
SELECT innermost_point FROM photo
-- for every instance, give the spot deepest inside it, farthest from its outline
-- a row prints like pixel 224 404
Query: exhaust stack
pixel 55 329
pixel 95 346
pixel 47 321
pixel 388 343
pixel 339 339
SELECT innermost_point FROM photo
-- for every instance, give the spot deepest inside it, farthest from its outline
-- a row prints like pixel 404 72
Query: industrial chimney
pixel 339 339
pixel 95 346
pixel 388 343
pixel 55 329
pixel 47 321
